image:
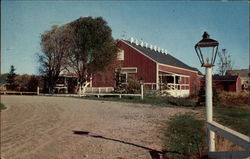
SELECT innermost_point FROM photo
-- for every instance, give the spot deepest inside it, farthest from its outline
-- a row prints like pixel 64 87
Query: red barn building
pixel 225 83
pixel 155 66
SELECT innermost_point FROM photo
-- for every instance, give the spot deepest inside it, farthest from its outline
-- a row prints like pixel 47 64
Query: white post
pixel 141 91
pixel 209 108
pixel 37 90
pixel 79 91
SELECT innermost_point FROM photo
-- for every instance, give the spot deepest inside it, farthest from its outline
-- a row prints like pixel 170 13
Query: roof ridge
pixel 162 58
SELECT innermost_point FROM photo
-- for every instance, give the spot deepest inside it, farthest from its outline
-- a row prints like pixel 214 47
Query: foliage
pixel 237 119
pixel 159 100
pixel 54 44
pixel 225 62
pixel 185 102
pixel 33 83
pixel 27 83
pixel 11 79
pixel 2 107
pixel 202 97
pixel 233 99
pixel 133 87
pixel 119 86
pixel 22 82
pixel 184 134
pixel 92 48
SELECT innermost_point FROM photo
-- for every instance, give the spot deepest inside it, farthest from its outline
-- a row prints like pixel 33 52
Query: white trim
pixel 234 136
pixel 157 76
pixel 177 67
pixel 127 68
pixel 181 75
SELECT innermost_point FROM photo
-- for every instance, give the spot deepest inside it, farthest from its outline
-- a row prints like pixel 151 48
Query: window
pixel 120 55
pixel 123 77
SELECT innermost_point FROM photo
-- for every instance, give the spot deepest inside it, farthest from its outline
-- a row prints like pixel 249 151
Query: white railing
pixel 97 89
pixel 233 136
pixel 172 86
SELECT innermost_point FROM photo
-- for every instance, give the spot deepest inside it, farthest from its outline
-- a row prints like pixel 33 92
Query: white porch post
pixel 37 90
pixel 157 77
pixel 209 108
pixel 141 91
pixel 174 83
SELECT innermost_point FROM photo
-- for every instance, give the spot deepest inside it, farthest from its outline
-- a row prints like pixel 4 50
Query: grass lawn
pixel 158 101
pixel 2 107
pixel 237 119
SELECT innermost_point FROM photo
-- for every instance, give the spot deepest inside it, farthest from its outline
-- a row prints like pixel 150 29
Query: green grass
pixel 2 107
pixel 185 135
pixel 237 119
pixel 158 101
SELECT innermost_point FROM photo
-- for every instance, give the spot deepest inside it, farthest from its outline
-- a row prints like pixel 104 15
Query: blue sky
pixel 175 26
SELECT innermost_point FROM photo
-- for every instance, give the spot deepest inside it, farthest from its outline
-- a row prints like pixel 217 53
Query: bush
pixel 202 97
pixel 180 101
pixel 185 135
pixel 2 107
pixel 133 87
pixel 233 98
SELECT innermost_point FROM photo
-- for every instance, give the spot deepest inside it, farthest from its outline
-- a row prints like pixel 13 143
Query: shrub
pixel 184 135
pixel 133 87
pixel 234 98
pixel 202 97
pixel 180 101
pixel 2 107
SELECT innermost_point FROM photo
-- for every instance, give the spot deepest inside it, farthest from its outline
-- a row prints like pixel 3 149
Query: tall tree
pixel 11 79
pixel 225 62
pixel 54 45
pixel 92 49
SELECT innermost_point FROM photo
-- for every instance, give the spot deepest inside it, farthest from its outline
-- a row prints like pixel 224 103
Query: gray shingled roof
pixel 162 58
pixel 241 73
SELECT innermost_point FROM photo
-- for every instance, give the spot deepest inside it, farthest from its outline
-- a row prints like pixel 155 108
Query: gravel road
pixel 37 127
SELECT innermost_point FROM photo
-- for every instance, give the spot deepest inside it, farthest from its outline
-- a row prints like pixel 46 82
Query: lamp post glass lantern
pixel 206 50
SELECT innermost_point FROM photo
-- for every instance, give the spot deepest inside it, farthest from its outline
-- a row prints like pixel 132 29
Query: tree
pixel 92 48
pixel 54 45
pixel 11 79
pixel 225 62
pixel 33 83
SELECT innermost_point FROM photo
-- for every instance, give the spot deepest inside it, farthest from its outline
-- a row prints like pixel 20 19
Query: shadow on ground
pixel 155 154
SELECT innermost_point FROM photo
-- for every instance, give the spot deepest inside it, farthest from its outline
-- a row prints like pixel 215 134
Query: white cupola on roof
pixel 155 48
pixel 136 42
pixel 131 40
pixel 141 44
pixel 151 47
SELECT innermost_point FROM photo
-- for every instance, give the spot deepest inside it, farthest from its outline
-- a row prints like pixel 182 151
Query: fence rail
pixel 20 93
pixel 98 89
pixel 233 136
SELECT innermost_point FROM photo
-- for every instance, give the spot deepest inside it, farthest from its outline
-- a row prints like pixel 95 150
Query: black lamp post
pixel 206 50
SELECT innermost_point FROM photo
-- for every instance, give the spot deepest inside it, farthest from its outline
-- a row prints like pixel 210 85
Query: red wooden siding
pixel 146 68
pixel 225 85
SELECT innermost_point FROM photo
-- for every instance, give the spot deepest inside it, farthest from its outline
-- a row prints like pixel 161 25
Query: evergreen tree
pixel 11 79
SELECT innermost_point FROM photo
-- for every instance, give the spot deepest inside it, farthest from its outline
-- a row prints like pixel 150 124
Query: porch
pixel 174 84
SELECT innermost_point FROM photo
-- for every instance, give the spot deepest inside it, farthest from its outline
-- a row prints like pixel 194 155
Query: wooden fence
pixel 233 136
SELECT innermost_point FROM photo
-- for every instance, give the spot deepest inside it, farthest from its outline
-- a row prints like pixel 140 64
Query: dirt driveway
pixel 37 127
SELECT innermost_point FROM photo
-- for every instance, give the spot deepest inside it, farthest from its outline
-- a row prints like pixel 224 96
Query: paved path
pixel 36 127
